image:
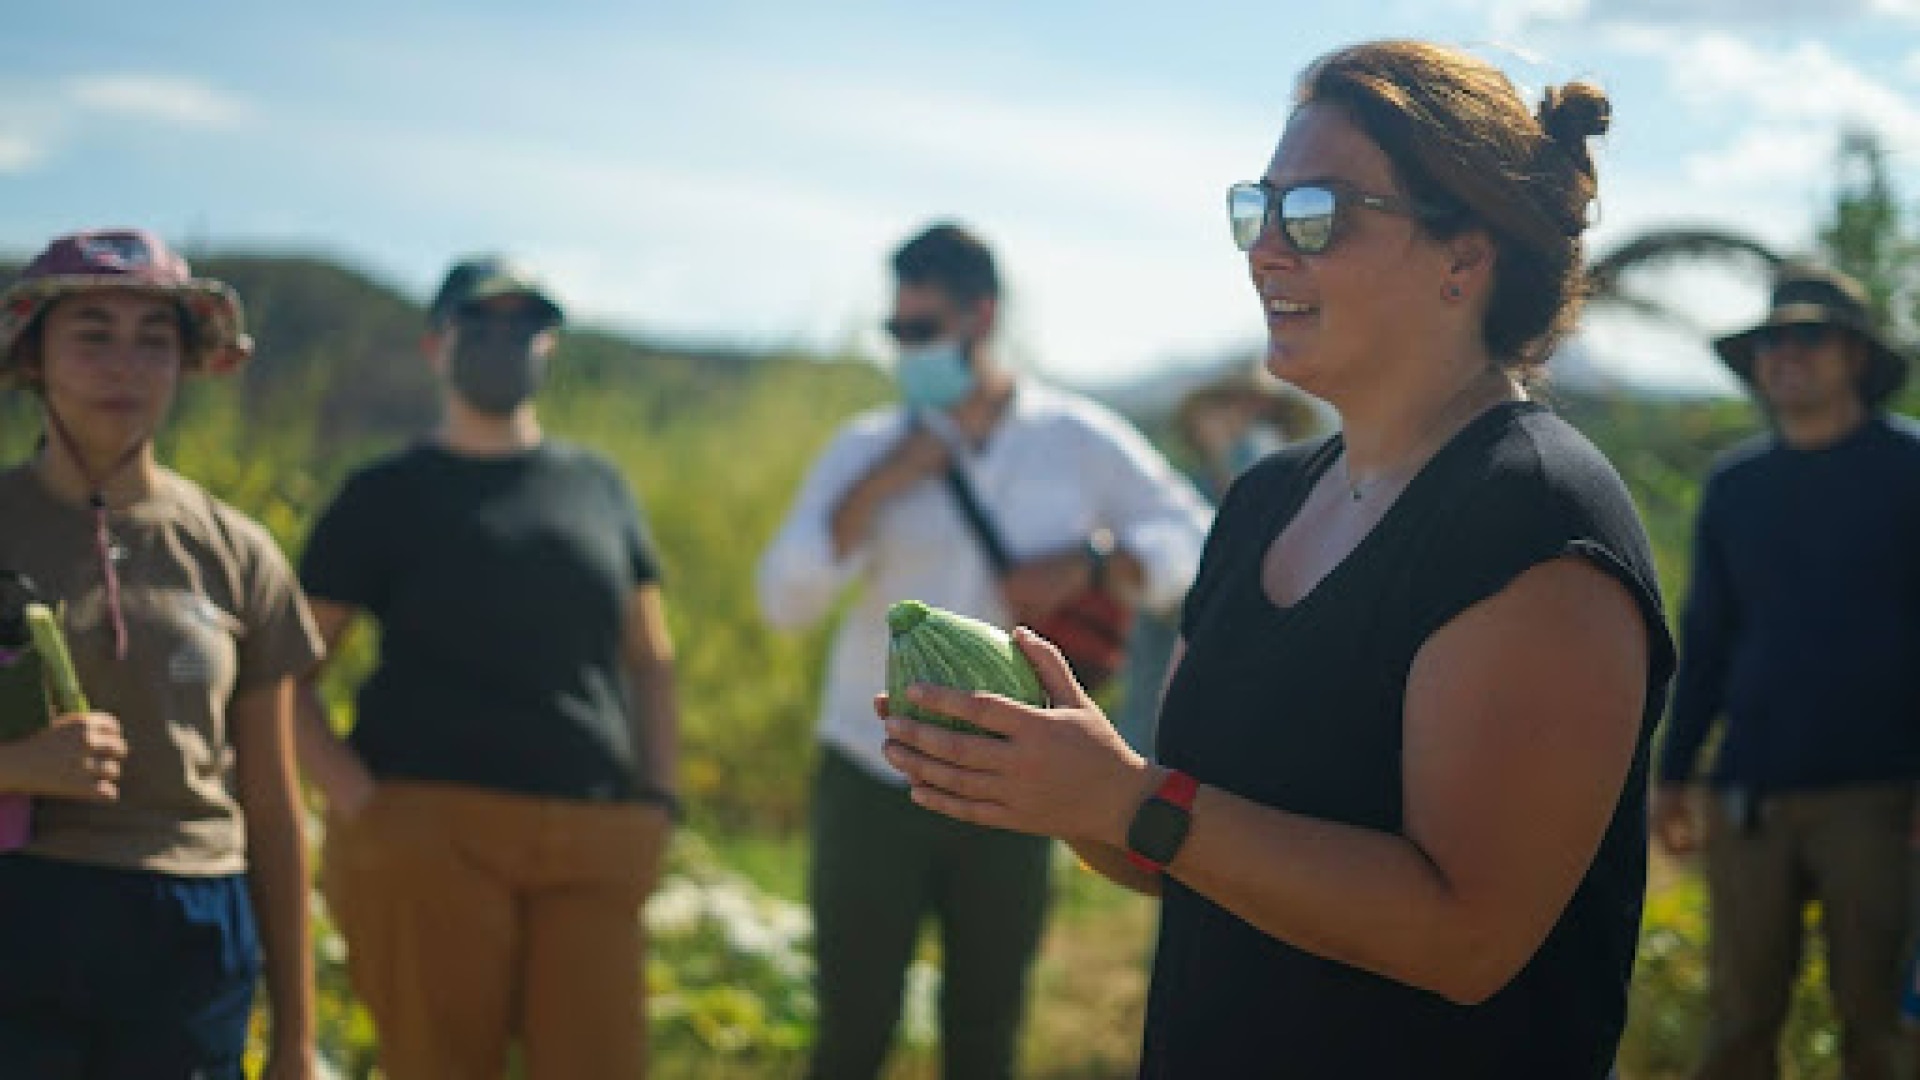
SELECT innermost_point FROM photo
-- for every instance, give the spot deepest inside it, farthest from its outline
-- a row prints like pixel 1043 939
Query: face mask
pixel 496 373
pixel 934 376
pixel 1252 444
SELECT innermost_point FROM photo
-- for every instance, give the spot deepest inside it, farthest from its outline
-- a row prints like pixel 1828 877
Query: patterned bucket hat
pixel 126 260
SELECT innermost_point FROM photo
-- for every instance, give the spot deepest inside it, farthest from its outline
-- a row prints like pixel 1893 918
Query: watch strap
pixel 1176 789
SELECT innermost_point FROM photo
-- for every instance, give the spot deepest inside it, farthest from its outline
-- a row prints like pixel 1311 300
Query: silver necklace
pixel 1357 489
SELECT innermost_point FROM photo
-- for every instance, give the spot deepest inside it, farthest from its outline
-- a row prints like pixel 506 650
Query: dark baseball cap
pixel 472 281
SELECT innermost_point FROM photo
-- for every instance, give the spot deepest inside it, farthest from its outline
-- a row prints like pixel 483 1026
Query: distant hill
pixel 342 349
pixel 347 347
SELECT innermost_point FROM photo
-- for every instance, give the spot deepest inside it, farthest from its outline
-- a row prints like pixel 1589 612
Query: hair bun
pixel 1574 113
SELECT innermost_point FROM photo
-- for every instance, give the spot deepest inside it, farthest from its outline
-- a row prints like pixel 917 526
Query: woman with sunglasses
pixel 1397 820
pixel 164 853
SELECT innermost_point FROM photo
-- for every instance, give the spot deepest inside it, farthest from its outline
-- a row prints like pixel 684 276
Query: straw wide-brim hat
pixel 1804 294
pixel 1269 400
pixel 126 260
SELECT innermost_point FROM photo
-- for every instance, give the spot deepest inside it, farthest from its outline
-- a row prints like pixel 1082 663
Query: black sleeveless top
pixel 1300 708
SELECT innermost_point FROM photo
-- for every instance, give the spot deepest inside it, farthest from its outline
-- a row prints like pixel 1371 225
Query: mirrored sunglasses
pixel 1308 215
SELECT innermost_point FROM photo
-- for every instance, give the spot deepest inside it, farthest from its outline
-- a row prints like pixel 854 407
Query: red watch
pixel 1160 826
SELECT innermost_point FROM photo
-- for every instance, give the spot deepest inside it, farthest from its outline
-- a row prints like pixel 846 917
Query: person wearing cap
pixel 881 511
pixel 500 810
pixel 165 854
pixel 1798 642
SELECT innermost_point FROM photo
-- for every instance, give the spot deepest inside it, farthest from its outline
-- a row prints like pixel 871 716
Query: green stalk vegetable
pixel 51 644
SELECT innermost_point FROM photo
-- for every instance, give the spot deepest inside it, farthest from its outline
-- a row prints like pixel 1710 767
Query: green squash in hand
pixel 936 646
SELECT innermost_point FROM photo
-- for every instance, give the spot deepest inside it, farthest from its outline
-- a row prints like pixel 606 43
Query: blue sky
pixel 738 171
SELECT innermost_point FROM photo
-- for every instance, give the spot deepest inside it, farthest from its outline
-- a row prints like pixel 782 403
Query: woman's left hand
pixel 1061 772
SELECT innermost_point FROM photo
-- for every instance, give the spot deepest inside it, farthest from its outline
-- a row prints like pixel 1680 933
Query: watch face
pixel 1158 829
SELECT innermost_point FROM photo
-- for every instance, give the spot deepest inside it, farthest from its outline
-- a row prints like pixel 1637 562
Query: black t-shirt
pixel 1803 617
pixel 1300 708
pixel 501 587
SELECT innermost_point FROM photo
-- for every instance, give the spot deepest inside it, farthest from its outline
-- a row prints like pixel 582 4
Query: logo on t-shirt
pixel 206 627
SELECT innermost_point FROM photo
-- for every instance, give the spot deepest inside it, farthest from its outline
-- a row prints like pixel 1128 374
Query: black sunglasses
pixel 1309 214
pixel 1801 335
pixel 518 321
pixel 915 331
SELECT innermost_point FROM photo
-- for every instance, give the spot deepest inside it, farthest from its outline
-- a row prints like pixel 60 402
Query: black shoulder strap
pixel 977 518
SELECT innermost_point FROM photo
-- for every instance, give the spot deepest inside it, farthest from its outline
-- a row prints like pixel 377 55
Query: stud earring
pixel 1452 291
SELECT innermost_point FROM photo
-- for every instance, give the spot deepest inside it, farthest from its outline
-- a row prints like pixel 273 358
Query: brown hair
pixel 1471 155
pixel 949 256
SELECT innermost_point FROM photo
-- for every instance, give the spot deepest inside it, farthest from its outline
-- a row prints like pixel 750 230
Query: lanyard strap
pixel 102 540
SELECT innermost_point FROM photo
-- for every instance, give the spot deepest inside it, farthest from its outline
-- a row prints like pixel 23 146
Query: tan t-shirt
pixel 212 611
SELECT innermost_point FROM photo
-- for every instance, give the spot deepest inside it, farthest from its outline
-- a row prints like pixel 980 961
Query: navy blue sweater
pixel 1802 625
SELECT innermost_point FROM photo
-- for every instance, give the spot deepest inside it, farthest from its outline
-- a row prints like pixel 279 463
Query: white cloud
pixel 1750 11
pixel 1511 17
pixel 1777 159
pixel 806 263
pixel 1106 209
pixel 1760 128
pixel 1512 13
pixel 17 153
pixel 169 99
pixel 1094 159
pixel 1723 71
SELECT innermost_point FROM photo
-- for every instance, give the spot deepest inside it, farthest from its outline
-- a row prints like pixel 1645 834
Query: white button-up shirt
pixel 1055 468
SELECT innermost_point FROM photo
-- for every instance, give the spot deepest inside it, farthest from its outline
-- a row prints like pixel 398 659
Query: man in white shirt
pixel 1052 470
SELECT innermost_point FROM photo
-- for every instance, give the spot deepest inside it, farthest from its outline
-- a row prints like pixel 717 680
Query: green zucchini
pixel 932 645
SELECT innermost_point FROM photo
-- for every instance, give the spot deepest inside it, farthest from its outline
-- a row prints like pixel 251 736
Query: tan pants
pixel 472 917
pixel 1847 849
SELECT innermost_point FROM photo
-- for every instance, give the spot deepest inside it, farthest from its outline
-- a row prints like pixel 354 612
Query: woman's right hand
pixel 77 756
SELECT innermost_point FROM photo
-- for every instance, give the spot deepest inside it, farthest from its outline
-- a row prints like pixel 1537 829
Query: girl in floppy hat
pixel 166 822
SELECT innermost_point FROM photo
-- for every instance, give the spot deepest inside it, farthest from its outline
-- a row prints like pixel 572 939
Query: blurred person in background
pixel 1054 469
pixel 1398 820
pixel 1798 641
pixel 1223 427
pixel 502 807
pixel 165 854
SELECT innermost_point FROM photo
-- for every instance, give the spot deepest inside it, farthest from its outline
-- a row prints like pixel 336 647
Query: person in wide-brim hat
pixel 1808 295
pixel 156 837
pixel 131 260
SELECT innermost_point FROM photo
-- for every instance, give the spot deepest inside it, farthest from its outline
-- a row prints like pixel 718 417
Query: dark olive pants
pixel 881 866
pixel 1846 849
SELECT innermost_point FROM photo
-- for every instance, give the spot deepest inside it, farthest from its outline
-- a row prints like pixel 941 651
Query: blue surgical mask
pixel 937 375
pixel 1256 441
